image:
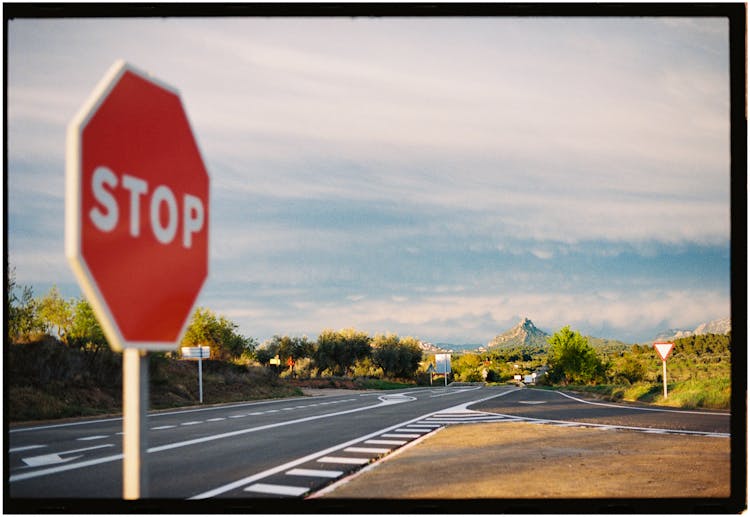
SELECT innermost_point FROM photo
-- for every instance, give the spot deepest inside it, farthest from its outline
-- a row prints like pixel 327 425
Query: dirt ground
pixel 522 460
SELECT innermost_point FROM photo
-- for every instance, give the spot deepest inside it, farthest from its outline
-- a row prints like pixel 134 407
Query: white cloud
pixel 533 135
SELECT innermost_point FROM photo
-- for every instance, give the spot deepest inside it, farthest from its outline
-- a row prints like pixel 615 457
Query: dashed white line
pixel 368 450
pixel 193 422
pixel 25 448
pixel 218 419
pixel 160 427
pixel 386 442
pixel 315 473
pixel 265 488
pixel 346 461
pixel 97 437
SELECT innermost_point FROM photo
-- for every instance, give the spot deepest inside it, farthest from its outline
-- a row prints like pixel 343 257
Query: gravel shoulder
pixel 522 460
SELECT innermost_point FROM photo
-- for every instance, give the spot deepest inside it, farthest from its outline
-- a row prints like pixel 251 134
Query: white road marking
pixel 400 435
pixel 46 459
pixel 97 437
pixel 532 401
pixel 621 406
pixel 315 473
pixel 193 422
pixel 310 457
pixel 25 448
pixel 386 442
pixel 237 416
pixel 218 419
pixel 277 489
pixel 257 413
pixel 159 428
pixel 368 450
pixel 404 430
pixel 54 458
pixel 343 460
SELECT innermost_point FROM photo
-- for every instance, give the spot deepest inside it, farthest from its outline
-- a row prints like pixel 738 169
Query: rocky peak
pixel 523 333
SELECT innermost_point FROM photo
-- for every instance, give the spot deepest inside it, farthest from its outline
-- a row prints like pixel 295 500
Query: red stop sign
pixel 137 199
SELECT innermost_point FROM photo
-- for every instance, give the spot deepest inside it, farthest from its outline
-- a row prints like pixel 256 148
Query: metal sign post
pixel 664 349
pixel 200 353
pixel 443 363
pixel 135 424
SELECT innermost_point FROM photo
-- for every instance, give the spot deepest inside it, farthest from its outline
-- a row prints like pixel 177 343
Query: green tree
pixel 338 351
pixel 398 357
pixel 572 359
pixel 55 314
pixel 219 333
pixel 21 309
pixel 85 330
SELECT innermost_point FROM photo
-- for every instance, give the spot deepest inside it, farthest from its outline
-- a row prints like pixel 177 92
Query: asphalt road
pixel 567 408
pixel 290 447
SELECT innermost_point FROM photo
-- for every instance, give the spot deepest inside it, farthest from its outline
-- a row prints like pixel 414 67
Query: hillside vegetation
pixel 59 364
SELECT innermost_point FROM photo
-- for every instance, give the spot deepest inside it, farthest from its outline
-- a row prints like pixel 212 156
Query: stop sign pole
pixel 136 231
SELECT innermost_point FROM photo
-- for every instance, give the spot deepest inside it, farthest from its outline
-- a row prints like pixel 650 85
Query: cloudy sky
pixel 434 177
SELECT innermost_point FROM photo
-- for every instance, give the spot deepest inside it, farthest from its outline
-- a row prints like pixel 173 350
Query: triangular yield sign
pixel 664 349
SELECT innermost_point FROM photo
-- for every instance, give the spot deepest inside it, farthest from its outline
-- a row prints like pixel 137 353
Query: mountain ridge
pixel 718 326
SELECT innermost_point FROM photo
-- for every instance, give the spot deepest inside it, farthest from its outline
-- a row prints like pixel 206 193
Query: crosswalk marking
pixel 386 442
pixel 315 473
pixel 265 488
pixel 346 461
pixel 400 435
pixel 369 450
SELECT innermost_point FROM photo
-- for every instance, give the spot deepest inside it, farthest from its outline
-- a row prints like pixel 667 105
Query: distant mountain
pixel 430 348
pixel 524 334
pixel 720 326
pixel 465 347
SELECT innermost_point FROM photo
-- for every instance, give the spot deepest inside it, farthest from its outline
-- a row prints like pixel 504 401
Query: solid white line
pixel 277 489
pixel 315 473
pixel 621 406
pixel 195 441
pixel 368 450
pixel 25 448
pixel 348 461
pixel 63 468
pixel 386 442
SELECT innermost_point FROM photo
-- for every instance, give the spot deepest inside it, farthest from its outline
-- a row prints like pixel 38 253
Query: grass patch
pixel 379 384
pixel 712 393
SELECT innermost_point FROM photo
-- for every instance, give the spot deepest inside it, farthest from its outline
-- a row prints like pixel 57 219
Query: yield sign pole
pixel 664 349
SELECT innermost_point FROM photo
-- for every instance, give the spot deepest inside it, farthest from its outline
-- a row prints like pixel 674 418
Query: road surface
pixel 291 448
